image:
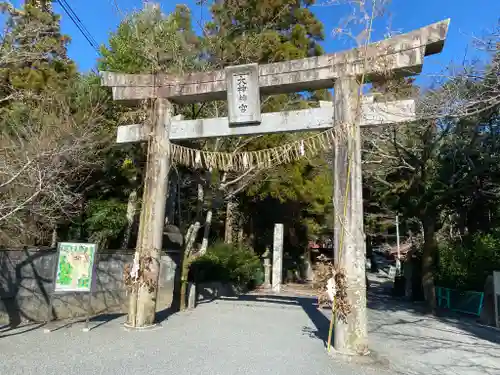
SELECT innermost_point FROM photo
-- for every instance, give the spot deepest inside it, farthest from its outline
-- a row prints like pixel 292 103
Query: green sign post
pixel 74 273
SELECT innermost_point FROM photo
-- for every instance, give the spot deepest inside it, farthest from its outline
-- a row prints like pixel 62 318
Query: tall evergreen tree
pixel 151 41
pixel 50 126
pixel 33 53
pixel 263 31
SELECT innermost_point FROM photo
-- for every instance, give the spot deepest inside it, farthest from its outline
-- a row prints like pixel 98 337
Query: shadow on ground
pixel 7 330
pixel 427 344
pixel 380 299
pixel 403 333
pixel 308 304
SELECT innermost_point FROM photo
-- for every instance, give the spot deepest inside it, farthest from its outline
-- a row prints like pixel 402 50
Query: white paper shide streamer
pixel 134 271
pixel 331 288
pixel 245 160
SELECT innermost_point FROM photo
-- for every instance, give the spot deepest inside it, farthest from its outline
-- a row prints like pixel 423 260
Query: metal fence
pixel 464 302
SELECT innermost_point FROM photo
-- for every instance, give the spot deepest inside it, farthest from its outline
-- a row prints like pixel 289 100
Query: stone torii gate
pixel 402 55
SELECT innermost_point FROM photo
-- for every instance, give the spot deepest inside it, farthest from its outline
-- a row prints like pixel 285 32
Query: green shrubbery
pixel 466 264
pixel 105 220
pixel 229 264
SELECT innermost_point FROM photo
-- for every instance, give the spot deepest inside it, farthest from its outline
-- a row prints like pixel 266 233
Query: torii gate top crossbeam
pixel 402 55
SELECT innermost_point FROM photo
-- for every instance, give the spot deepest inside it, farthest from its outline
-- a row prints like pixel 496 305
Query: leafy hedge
pixel 466 264
pixel 227 263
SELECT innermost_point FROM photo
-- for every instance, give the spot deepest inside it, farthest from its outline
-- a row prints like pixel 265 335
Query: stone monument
pixel 277 257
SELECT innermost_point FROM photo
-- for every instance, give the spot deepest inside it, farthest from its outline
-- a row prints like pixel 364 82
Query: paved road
pixel 222 337
pixel 419 344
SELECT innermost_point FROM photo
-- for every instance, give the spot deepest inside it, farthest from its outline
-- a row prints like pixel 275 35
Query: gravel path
pixel 256 334
pixel 222 337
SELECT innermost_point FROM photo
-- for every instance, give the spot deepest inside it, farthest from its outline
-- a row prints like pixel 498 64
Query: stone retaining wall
pixel 26 282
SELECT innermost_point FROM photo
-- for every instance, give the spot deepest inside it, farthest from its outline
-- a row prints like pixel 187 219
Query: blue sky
pixel 469 18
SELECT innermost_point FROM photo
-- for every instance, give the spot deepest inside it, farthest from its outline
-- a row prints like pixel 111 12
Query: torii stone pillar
pixel 351 336
pixel 142 302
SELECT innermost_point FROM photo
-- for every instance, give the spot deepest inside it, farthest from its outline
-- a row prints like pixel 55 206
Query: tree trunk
pixel 131 213
pixel 171 200
pixel 206 232
pixel 241 232
pixel 53 242
pixel 428 262
pixel 81 224
pixel 188 248
pixel 180 222
pixel 208 220
pixel 251 234
pixel 228 233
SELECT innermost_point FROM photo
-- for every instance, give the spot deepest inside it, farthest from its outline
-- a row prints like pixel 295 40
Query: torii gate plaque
pixel 243 97
pixel 402 55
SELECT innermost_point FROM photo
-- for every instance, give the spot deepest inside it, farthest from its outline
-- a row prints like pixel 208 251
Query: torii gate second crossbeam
pixel 373 114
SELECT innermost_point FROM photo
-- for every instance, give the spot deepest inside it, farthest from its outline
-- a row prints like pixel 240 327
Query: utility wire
pixel 67 8
pixel 79 24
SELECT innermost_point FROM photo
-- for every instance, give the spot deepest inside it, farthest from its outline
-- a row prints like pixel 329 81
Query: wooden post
pixel 142 303
pixel 350 337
